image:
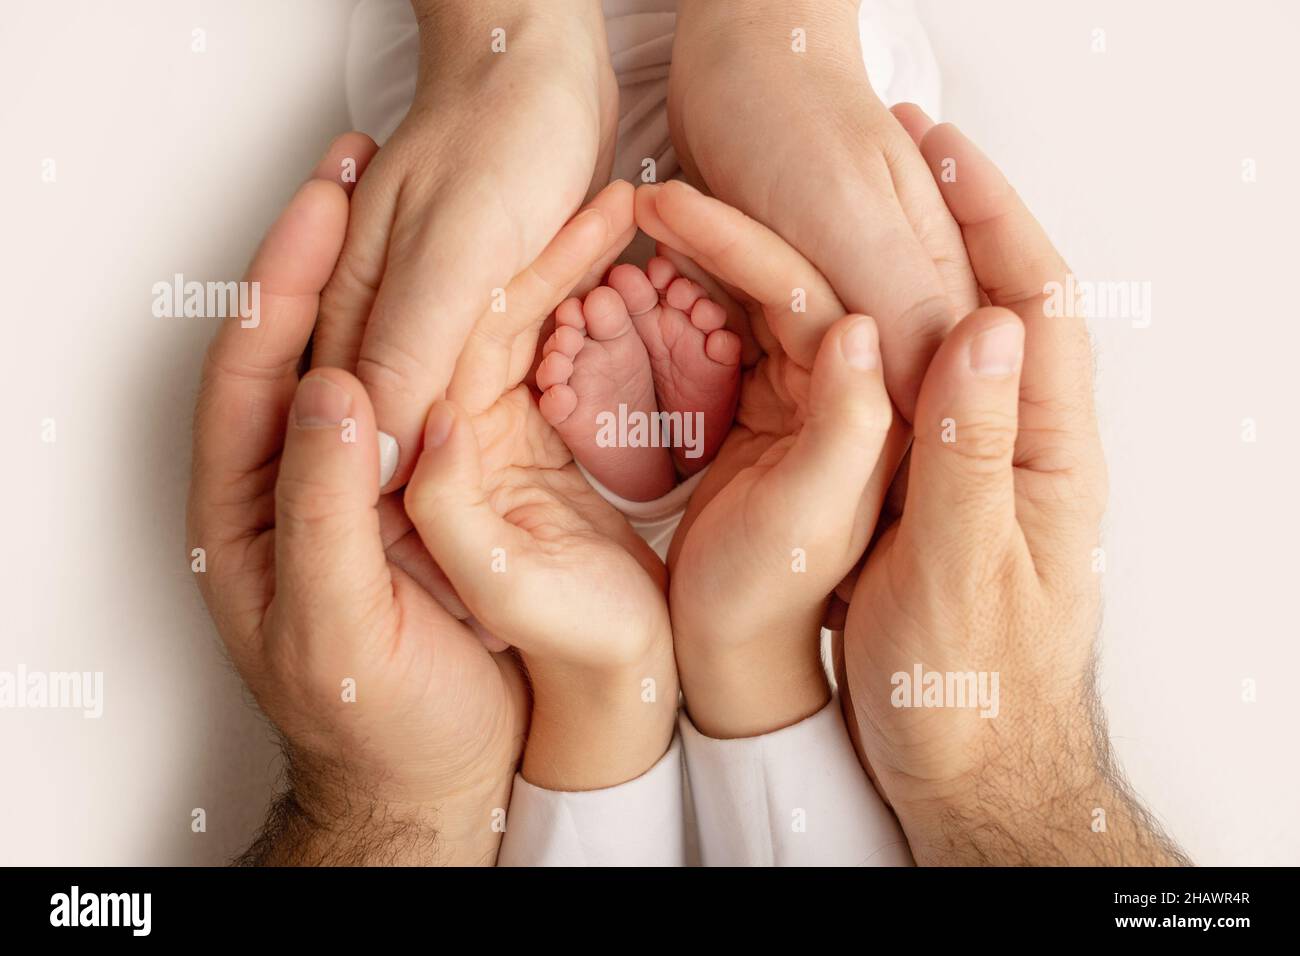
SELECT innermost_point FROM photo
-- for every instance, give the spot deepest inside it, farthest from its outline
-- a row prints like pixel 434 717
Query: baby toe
pixel 566 340
pixel 708 316
pixel 605 314
pixel 661 272
pixel 557 404
pixel 569 314
pixel 683 294
pixel 554 369
pixel 723 347
pixel 639 296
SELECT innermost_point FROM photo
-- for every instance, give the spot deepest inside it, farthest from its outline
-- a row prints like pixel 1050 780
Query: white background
pixel 168 161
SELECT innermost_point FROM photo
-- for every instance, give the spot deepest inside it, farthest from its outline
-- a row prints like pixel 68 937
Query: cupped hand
pixel 788 506
pixel 969 644
pixel 535 553
pixel 401 730
pixel 498 150
pixel 800 142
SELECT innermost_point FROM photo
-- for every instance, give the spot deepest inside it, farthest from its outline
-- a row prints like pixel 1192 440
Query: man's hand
pixel 499 149
pixel 800 142
pixel 402 731
pixel 988 578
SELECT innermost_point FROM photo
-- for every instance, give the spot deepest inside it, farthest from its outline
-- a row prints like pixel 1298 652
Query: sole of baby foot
pixel 694 361
pixel 594 374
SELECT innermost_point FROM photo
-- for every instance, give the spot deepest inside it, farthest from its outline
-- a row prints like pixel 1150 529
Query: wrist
pixel 734 23
pixel 597 727
pixel 749 688
pixel 468 42
pixel 1064 804
pixel 336 820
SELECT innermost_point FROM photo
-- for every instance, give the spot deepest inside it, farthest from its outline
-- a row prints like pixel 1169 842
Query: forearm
pixel 1061 807
pixel 458 32
pixel 736 25
pixel 336 821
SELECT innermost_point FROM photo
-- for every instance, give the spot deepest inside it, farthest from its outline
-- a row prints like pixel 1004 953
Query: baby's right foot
pixel 594 363
pixel 694 360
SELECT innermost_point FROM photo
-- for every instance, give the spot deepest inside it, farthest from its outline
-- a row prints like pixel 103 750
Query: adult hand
pixel 497 152
pixel 401 730
pixel 535 553
pixel 987 579
pixel 789 504
pixel 800 142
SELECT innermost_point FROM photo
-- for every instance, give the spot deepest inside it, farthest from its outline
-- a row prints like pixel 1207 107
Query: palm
pixel 572 540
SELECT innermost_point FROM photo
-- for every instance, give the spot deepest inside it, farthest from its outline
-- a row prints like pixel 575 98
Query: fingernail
pixel 861 346
pixel 440 421
pixel 388 453
pixel 320 403
pixel 996 352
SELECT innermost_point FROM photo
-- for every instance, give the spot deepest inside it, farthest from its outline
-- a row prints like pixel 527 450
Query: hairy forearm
pixel 1053 804
pixel 333 820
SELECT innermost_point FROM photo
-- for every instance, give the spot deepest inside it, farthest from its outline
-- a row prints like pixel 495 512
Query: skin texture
pixel 496 153
pixel 317 588
pixel 738 91
pixel 541 559
pixel 989 569
pixel 789 505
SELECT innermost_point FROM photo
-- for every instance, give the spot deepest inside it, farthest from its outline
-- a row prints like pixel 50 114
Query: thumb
pixel 446 502
pixel 329 558
pixel 835 468
pixel 961 482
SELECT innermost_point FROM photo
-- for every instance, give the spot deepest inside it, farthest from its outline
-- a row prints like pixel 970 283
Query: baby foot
pixel 694 361
pixel 594 373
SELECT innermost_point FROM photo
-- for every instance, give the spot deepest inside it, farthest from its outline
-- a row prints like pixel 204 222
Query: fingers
pixel 1016 265
pixel 926 212
pixel 447 503
pixel 961 491
pixel 799 303
pixel 329 557
pixel 251 369
pixel 500 349
pixel 831 482
pixel 346 160
pixel 914 120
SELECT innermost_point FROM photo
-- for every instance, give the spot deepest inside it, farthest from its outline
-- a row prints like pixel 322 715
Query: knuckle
pixel 985 443
pixel 388 367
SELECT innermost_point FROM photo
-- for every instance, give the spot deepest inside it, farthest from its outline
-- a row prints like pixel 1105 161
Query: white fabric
pixel 655 521
pixel 638 823
pixel 796 797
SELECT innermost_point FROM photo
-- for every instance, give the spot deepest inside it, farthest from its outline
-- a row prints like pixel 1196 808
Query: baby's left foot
pixel 694 360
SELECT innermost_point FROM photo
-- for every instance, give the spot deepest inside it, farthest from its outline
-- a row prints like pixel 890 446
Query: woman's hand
pixel 789 504
pixel 537 556
pixel 499 149
pixel 988 577
pixel 800 142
